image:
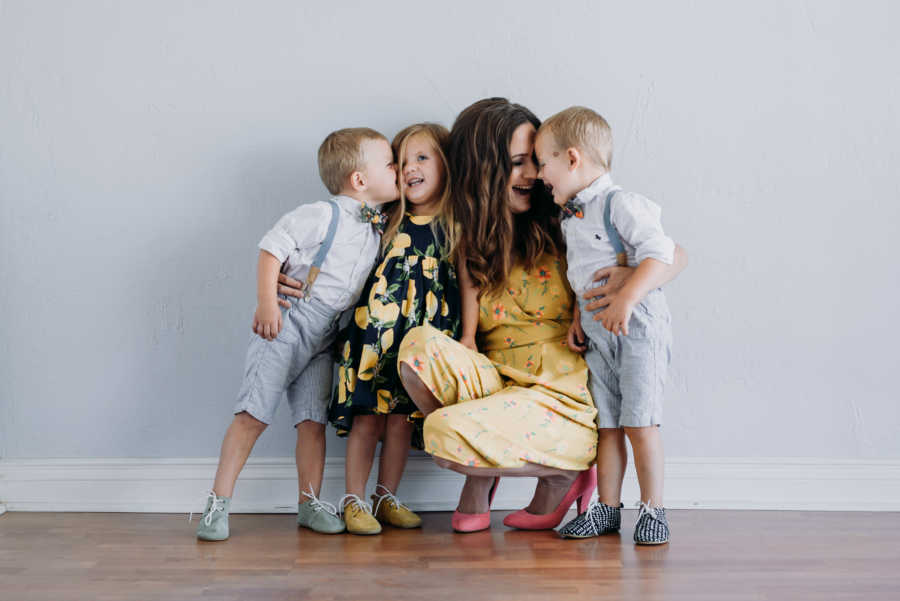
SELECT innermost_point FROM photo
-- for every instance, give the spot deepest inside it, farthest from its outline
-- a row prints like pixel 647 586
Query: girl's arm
pixel 469 299
pixel 267 320
pixel 288 286
pixel 575 339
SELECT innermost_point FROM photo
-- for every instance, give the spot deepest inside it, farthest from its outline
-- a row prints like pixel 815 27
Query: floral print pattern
pixel 524 397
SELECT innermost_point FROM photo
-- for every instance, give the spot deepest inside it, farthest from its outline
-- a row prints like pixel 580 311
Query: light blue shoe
pixel 319 516
pixel 214 523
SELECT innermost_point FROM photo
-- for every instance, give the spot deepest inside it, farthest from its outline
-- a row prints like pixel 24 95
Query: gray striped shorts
pixel 628 373
pixel 297 363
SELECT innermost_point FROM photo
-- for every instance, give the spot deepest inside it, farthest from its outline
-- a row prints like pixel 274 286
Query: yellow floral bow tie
pixel 573 208
pixel 376 218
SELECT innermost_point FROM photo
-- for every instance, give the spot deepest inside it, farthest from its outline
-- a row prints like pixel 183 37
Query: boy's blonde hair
pixel 580 127
pixel 438 136
pixel 341 154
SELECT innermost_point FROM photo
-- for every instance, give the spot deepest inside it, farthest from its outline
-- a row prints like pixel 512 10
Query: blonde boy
pixel 331 245
pixel 627 345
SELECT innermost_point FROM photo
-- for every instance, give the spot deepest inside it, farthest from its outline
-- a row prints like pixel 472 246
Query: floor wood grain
pixel 714 555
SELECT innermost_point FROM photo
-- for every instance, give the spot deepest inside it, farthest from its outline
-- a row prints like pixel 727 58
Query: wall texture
pixel 145 147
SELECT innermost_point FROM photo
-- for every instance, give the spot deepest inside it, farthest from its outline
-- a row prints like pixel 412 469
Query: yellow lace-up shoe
pixel 358 516
pixel 389 510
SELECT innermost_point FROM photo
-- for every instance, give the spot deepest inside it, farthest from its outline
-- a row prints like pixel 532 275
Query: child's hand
pixel 576 338
pixel 267 320
pixel 616 315
pixel 469 342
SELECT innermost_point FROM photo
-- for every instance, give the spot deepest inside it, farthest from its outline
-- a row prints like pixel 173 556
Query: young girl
pixel 414 283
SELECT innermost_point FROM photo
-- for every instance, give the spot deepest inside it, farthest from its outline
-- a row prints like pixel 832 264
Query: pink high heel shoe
pixel 474 522
pixel 581 490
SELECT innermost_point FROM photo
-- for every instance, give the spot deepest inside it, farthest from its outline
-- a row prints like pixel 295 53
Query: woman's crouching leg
pixel 420 394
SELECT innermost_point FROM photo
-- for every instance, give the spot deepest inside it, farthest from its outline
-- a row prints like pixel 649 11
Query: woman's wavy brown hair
pixel 491 238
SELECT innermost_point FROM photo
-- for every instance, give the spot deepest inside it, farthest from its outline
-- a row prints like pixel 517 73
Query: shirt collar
pixel 595 189
pixel 350 205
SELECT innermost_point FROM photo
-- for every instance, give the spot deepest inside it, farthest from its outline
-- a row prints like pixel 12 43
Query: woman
pixel 522 407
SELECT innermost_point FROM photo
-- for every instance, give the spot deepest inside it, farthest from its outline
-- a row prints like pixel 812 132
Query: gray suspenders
pixel 323 251
pixel 614 239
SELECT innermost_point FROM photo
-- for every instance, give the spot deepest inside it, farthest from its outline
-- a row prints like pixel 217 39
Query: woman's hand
pixel 615 279
pixel 289 287
pixel 267 321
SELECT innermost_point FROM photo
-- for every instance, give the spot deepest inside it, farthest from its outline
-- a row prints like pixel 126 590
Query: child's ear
pixel 358 181
pixel 574 158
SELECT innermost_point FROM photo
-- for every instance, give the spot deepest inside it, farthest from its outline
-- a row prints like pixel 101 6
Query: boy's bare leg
pixel 361 443
pixel 310 456
pixel 646 444
pixel 239 440
pixel 611 460
pixel 394 451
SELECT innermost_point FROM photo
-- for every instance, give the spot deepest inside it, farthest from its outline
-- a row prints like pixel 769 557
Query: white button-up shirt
pixel 297 236
pixel 636 219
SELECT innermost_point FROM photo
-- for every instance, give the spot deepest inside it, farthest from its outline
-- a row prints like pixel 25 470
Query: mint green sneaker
pixel 214 523
pixel 319 516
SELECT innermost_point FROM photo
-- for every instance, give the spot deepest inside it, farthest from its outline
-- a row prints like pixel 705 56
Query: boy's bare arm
pixel 644 279
pixel 618 277
pixel 267 320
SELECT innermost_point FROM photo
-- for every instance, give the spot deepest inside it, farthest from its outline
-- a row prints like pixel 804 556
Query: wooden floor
pixel 714 555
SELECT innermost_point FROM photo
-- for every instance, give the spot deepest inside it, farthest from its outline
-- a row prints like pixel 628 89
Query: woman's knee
pixel 420 394
pixel 408 375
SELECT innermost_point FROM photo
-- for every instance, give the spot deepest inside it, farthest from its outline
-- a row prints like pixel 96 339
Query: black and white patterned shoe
pixel 651 528
pixel 599 518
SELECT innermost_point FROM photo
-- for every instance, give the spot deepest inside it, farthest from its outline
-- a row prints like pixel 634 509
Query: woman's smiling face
pixel 524 169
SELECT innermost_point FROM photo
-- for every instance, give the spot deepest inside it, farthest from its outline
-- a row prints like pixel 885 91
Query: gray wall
pixel 146 146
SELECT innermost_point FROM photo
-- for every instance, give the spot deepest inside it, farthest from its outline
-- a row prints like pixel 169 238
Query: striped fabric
pixel 652 528
pixel 599 519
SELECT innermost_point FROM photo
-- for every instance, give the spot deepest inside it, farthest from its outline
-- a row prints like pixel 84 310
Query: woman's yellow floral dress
pixel 525 399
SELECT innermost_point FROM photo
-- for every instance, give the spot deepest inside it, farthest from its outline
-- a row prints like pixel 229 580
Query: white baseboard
pixel 270 485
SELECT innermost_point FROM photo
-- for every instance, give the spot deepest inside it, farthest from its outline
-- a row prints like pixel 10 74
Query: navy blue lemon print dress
pixel 413 284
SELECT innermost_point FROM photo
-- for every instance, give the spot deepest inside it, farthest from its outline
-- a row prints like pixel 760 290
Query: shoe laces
pixel 390 497
pixel 317 504
pixel 592 516
pixel 648 511
pixel 356 502
pixel 216 505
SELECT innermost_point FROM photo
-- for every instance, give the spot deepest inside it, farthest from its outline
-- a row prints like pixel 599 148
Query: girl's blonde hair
pixel 438 136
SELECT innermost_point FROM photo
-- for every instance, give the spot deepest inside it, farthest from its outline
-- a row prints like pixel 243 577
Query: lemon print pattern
pixel 412 285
